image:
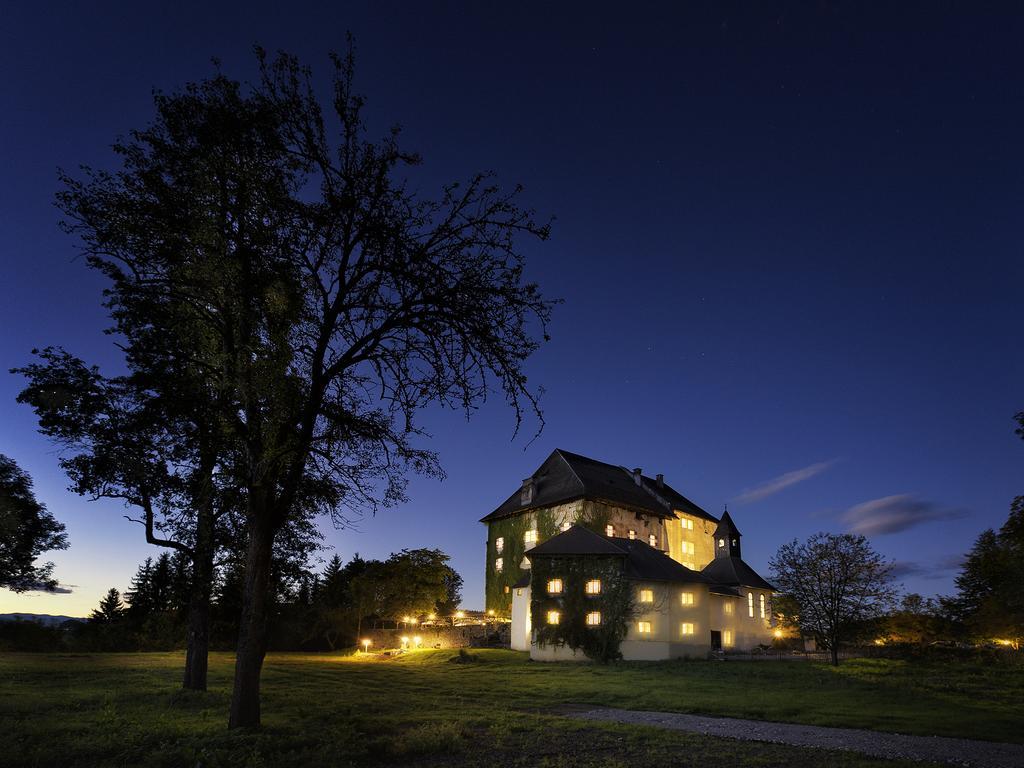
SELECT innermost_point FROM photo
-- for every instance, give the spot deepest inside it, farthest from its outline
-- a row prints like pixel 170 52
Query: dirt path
pixel 983 754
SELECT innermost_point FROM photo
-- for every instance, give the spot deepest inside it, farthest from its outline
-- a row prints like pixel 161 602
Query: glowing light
pixel 490 612
pixel 777 633
pixel 366 645
pixel 417 641
pixel 1005 642
pixel 405 619
pixel 414 621
pixel 460 614
pixel 879 641
pixel 431 617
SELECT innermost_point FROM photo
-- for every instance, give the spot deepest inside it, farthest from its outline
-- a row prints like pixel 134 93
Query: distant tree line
pixel 310 611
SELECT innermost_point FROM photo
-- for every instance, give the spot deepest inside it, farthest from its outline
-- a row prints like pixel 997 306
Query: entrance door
pixel 716 640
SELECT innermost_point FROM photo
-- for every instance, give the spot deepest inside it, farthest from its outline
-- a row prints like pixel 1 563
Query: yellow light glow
pixel 879 641
pixel 417 641
pixel 460 614
pixel 414 620
pixel 366 645
pixel 1005 642
pixel 405 641
pixel 777 633
pixel 431 617
pixel 405 619
pixel 490 612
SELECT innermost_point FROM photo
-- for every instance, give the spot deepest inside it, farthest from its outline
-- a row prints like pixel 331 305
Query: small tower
pixel 727 537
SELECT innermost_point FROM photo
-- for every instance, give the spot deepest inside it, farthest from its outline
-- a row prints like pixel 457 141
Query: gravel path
pixel 984 754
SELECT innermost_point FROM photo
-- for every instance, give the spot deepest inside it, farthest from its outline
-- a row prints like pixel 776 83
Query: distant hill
pixel 42 618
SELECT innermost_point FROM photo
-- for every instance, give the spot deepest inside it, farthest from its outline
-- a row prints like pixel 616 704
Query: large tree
pixel 836 582
pixel 326 300
pixel 27 530
pixel 147 439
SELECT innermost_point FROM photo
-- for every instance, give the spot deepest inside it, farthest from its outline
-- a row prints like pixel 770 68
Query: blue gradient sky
pixel 787 240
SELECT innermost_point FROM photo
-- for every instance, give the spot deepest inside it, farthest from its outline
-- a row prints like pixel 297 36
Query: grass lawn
pixel 127 709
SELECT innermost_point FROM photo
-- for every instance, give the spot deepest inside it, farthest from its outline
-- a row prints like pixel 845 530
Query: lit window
pixel 686 598
pixel 728 608
pixel 553 617
pixel 499 563
pixel 609 530
pixel 566 525
pixel 687 629
pixel 688 548
pixel 761 598
pixel 643 627
pixel 499 544
pixel 632 533
pixel 750 604
pixel 652 540
pixel 646 596
pixel 519 592
pixel 530 537
pixel 554 586
pixel 507 589
pixel 721 543
pixel 727 637
pixel 687 524
pixel 593 618
pixel 593 587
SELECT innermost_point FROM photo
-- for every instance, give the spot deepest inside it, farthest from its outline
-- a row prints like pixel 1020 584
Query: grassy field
pixel 503 710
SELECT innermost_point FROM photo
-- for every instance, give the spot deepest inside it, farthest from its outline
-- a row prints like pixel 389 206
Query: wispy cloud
pixel 892 514
pixel 941 570
pixel 782 482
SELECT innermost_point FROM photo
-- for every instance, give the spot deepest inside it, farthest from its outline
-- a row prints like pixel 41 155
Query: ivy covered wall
pixel 615 604
pixel 548 522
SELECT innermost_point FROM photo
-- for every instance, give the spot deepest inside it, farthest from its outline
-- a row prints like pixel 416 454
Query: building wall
pixel 666 614
pixel 548 522
pixel 701 536
pixel 747 632
pixel 521 625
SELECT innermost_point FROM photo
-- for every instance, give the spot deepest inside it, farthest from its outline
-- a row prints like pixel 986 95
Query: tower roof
pixel 735 573
pixel 726 525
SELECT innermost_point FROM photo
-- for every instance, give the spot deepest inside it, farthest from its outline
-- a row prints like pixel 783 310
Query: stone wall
pixel 468 636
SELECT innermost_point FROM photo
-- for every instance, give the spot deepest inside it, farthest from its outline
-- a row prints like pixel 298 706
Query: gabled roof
pixel 642 561
pixel 734 572
pixel 566 476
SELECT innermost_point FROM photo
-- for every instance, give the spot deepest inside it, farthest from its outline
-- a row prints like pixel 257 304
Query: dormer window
pixel 721 543
pixel 632 534
pixel 652 540
pixel 566 525
pixel 499 544
pixel 526 492
pixel 609 530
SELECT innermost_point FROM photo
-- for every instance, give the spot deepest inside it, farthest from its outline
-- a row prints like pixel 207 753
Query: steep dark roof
pixel 524 581
pixel 727 526
pixel 578 541
pixel 642 561
pixel 566 476
pixel 734 572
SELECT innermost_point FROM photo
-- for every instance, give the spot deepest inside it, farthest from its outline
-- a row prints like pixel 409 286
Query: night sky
pixel 789 240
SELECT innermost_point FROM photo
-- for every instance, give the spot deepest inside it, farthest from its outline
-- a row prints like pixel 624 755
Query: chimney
pixel 660 480
pixel 526 493
pixel 637 474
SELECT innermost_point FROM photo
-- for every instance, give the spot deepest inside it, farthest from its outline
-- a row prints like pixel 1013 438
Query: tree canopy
pixel 836 582
pixel 27 530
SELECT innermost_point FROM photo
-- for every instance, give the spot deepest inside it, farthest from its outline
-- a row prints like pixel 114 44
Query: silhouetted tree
pixel 323 300
pixel 836 582
pixel 27 530
pixel 110 610
pixel 146 438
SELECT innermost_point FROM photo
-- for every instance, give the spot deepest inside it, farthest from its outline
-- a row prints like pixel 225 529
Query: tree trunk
pixel 834 648
pixel 252 631
pixel 198 645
